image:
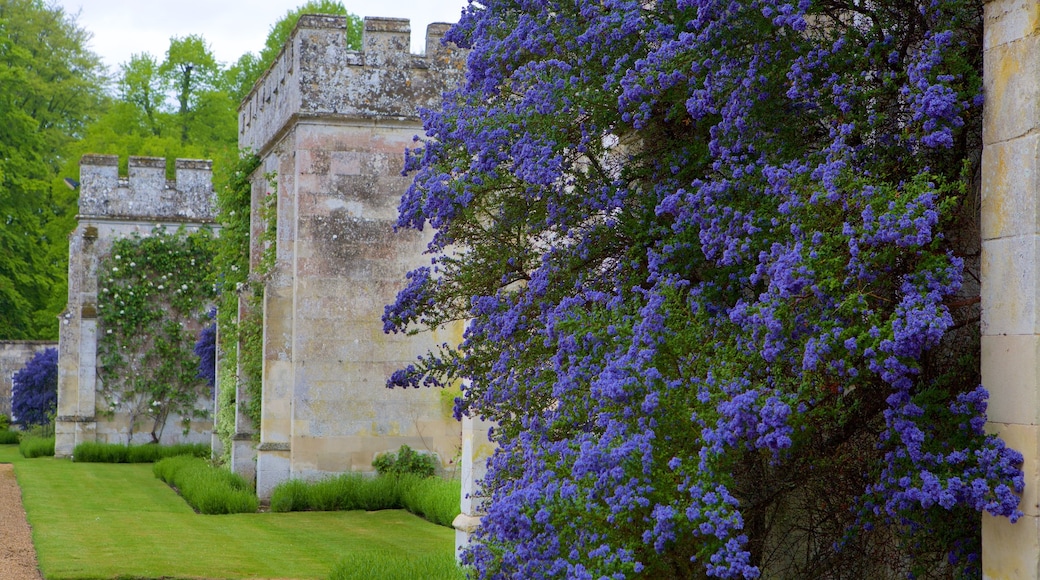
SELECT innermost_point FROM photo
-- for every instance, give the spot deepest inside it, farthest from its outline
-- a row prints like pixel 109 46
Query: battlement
pixel 145 192
pixel 316 75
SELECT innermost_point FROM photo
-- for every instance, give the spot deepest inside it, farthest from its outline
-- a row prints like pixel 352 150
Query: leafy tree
pixel 713 255
pixel 191 69
pixel 50 87
pixel 34 391
pixel 143 86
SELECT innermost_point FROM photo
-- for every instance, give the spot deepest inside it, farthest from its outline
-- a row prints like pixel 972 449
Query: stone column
pixel 1011 269
pixel 476 449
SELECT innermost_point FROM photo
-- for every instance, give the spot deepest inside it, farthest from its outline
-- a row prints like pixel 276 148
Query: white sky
pixel 231 27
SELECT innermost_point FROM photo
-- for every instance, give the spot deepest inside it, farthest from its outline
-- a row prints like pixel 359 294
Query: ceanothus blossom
pixel 708 254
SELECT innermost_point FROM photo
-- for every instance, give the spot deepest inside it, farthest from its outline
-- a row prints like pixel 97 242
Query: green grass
pixel 388 566
pixel 31 447
pixel 431 498
pixel 94 521
pixel 89 452
pixel 8 437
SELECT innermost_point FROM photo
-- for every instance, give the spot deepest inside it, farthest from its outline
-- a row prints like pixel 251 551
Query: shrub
pixel 5 422
pixel 431 498
pixel 208 489
pixel 90 452
pixel 34 391
pixel 396 566
pixel 31 447
pixel 206 350
pixel 406 460
pixel 8 437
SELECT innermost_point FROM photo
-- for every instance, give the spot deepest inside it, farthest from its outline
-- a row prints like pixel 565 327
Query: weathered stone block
pixel 1009 20
pixel 1010 186
pixel 1011 372
pixel 1009 551
pixel 1010 285
pixel 1012 93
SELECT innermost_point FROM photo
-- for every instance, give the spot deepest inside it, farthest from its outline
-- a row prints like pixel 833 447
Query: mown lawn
pixel 103 521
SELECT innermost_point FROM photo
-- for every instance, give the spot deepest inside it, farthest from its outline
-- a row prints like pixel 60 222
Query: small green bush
pixel 5 422
pixel 391 566
pixel 89 452
pixel 431 498
pixel 406 460
pixel 8 437
pixel 31 447
pixel 208 489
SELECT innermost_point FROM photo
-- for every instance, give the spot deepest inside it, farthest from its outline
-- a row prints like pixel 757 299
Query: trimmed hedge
pixel 9 437
pixel 208 489
pixel 89 452
pixel 31 447
pixel 431 498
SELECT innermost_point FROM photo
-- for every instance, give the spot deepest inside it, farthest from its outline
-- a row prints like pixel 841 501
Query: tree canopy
pixel 51 87
pixel 721 275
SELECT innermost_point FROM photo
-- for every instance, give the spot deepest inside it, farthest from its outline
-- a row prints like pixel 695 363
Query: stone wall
pixel 111 207
pixel 333 124
pixel 13 356
pixel 1011 269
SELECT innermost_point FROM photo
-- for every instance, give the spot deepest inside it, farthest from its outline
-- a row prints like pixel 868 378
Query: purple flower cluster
pixel 697 242
pixel 34 390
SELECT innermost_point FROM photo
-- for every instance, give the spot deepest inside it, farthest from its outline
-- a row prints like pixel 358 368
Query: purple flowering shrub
pixel 34 389
pixel 206 349
pixel 714 258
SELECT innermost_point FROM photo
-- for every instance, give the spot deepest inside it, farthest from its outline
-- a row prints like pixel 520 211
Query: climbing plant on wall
pixel 240 310
pixel 154 291
pixel 719 262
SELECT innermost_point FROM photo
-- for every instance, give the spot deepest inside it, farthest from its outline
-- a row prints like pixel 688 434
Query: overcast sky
pixel 231 27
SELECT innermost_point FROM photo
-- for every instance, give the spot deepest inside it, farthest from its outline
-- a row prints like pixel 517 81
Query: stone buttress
pixel 332 124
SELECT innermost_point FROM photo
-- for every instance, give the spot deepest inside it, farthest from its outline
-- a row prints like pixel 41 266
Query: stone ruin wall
pixel 111 207
pixel 333 124
pixel 14 354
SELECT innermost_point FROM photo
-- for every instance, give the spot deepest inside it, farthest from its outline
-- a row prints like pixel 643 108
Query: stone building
pixel 332 124
pixel 111 207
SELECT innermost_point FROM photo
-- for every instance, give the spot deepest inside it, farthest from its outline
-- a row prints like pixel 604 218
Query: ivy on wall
pixel 240 311
pixel 153 295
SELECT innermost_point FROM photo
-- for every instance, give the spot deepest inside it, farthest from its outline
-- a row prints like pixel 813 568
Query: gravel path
pixel 17 555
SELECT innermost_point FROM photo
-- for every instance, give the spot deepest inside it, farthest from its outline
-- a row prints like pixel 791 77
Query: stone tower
pixel 111 207
pixel 332 124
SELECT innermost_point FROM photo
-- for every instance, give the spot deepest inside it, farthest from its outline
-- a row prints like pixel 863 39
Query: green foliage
pixel 31 447
pixel 208 489
pixel 92 452
pixel 431 498
pixel 240 303
pixel 5 422
pixel 406 461
pixel 50 87
pixel 191 70
pixel 395 566
pixel 154 292
pixel 9 437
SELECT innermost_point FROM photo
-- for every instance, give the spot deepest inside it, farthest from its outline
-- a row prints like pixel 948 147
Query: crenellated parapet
pixel 316 75
pixel 146 192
